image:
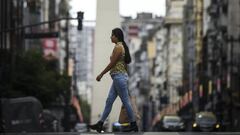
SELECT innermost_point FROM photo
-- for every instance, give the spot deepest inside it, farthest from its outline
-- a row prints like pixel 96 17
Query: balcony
pixel 213 10
pixel 212 33
pixel 224 5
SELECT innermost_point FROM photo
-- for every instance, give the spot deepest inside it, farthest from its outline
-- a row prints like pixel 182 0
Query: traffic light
pixel 80 19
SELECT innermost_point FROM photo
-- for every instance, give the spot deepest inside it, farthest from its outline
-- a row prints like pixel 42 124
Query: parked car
pixel 169 123
pixel 205 121
pixel 20 115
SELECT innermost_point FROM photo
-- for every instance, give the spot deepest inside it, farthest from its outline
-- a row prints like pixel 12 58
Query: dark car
pixel 170 123
pixel 21 115
pixel 205 121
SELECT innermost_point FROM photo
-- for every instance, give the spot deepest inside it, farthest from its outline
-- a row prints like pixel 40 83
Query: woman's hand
pixel 117 51
pixel 99 77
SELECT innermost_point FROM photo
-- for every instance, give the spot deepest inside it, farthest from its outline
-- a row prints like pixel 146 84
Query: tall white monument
pixel 107 18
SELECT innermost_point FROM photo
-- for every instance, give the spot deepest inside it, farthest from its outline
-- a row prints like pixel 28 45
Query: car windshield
pixel 171 119
pixel 205 117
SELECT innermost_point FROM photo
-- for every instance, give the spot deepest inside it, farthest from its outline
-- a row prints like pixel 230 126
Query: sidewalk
pixel 138 133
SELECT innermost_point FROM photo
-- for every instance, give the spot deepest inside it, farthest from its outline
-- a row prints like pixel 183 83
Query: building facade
pixel 173 22
pixel 211 31
pixel 81 48
pixel 141 38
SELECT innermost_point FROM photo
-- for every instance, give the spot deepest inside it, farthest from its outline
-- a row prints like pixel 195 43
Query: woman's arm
pixel 116 54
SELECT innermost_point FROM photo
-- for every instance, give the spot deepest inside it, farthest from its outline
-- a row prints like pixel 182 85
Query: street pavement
pixel 138 133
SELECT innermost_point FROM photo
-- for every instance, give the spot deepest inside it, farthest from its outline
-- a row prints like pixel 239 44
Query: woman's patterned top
pixel 120 66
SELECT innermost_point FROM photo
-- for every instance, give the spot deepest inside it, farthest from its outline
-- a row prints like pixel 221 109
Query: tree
pixel 35 76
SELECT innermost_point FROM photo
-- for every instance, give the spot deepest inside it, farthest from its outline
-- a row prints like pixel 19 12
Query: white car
pixel 170 123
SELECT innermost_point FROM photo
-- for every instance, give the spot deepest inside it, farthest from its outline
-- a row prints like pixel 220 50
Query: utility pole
pixel 232 40
pixel 231 83
pixel 69 92
pixel 67 46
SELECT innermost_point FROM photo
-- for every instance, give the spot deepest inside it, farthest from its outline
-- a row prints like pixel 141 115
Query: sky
pixel 127 7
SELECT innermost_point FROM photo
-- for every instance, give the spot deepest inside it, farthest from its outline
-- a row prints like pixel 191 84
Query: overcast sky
pixel 127 7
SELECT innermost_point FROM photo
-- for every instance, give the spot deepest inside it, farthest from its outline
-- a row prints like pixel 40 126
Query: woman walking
pixel 118 71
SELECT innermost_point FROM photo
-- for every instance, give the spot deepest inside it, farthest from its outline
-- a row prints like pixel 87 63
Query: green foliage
pixel 86 110
pixel 35 76
pixel 64 7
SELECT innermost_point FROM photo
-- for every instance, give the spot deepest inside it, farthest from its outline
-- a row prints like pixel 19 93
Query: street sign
pixel 41 35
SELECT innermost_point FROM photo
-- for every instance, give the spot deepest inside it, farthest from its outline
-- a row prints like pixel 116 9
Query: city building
pixel 140 34
pixel 81 49
pixel 192 91
pixel 173 23
pixel 211 36
pixel 10 38
pixel 221 61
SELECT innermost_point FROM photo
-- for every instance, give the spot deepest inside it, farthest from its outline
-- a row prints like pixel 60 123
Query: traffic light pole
pixel 67 47
pixel 79 18
pixel 34 25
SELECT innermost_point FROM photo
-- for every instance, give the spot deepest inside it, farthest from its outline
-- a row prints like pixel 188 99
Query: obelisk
pixel 107 18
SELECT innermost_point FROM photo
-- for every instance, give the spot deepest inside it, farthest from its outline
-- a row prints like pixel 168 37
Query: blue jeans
pixel 119 88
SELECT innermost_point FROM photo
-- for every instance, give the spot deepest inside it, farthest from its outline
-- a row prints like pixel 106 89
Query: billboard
pixel 49 46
